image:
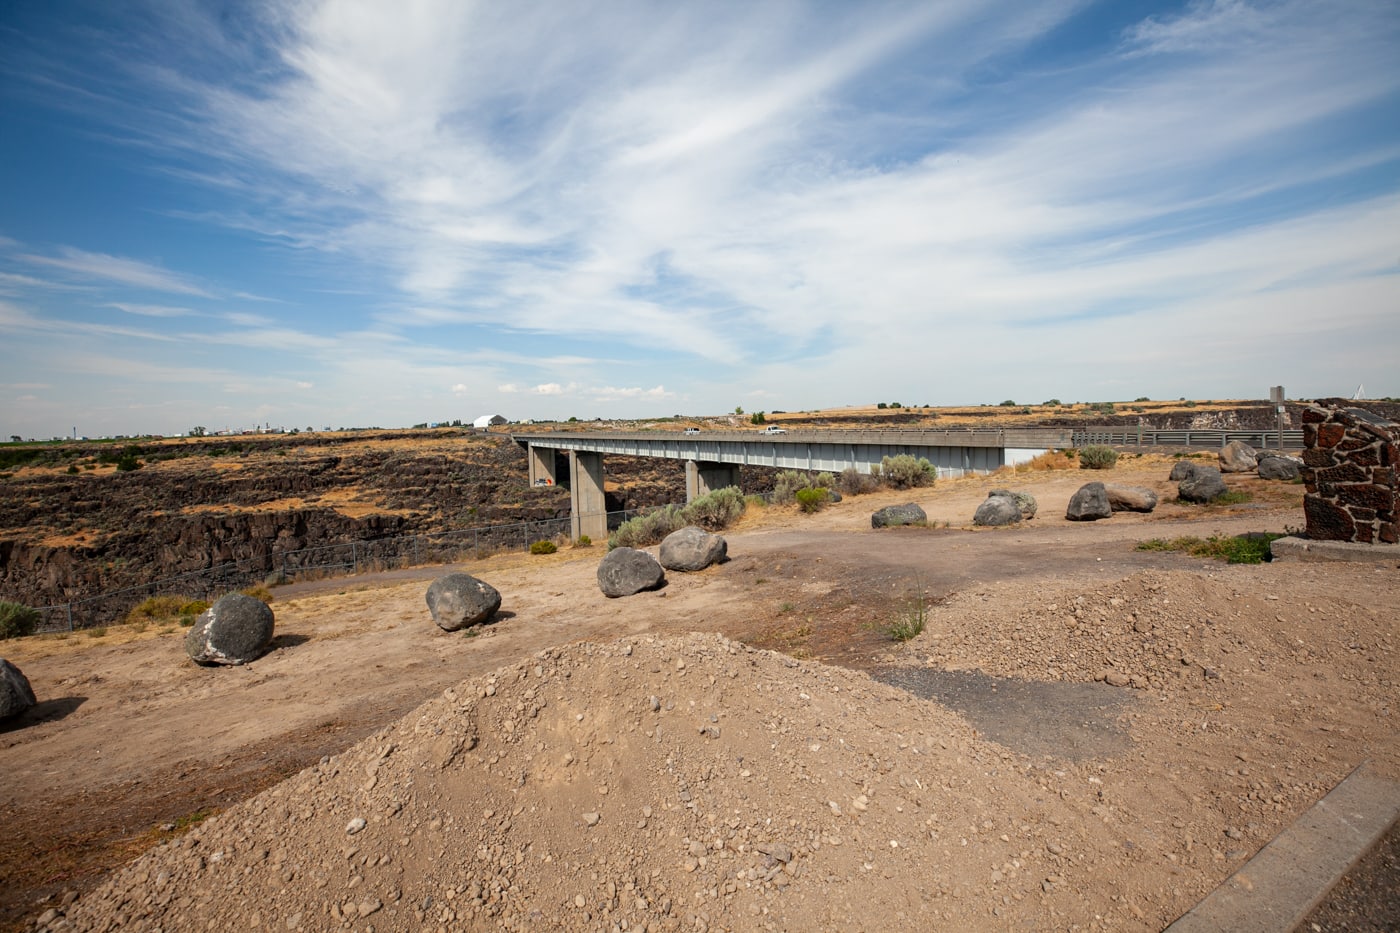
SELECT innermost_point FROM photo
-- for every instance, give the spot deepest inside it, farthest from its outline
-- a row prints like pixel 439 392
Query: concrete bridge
pixel 712 458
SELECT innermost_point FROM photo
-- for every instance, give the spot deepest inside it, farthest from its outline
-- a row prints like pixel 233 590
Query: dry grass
pixel 1050 460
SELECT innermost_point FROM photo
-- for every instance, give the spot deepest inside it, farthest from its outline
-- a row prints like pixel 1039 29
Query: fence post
pixel 69 607
pixel 354 557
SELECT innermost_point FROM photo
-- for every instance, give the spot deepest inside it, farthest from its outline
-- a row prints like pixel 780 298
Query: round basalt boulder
pixel 1123 498
pixel 997 510
pixel 16 696
pixel 1203 485
pixel 627 571
pixel 1089 504
pixel 692 548
pixel 235 630
pixel 892 515
pixel 460 600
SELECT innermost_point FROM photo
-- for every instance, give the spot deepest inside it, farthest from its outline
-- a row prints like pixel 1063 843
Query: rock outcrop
pixel 1024 501
pixel 460 600
pixel 692 548
pixel 235 630
pixel 627 571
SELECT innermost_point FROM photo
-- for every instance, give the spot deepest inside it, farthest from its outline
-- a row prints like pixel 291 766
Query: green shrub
pixel 812 499
pixel 785 486
pixel 648 528
pixel 715 510
pixel 757 418
pixel 1097 457
pixel 72 468
pixel 127 462
pixel 905 471
pixel 155 608
pixel 583 541
pixel 543 547
pixel 17 620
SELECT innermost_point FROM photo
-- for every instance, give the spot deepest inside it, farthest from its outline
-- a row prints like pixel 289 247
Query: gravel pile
pixel 686 783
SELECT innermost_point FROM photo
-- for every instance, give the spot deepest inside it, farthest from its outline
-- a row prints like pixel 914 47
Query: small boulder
pixel 692 548
pixel 1089 504
pixel 460 600
pixel 16 695
pixel 892 515
pixel 1280 468
pixel 1204 484
pixel 1181 470
pixel 626 571
pixel 235 630
pixel 1238 457
pixel 1024 501
pixel 999 508
pixel 1123 498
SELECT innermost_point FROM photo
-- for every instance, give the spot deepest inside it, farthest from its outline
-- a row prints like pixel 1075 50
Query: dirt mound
pixel 647 784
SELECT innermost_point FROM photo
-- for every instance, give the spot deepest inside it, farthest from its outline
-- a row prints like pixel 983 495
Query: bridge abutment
pixel 542 465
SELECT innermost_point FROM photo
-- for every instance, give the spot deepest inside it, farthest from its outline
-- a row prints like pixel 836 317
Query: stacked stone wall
pixel 1351 466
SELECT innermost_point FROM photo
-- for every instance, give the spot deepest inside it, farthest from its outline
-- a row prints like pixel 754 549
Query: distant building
pixel 486 421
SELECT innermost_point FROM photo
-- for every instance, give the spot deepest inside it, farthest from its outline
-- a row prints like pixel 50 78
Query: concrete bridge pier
pixel 590 508
pixel 542 464
pixel 704 476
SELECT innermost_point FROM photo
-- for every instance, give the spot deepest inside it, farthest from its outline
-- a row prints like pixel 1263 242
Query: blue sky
pixel 361 212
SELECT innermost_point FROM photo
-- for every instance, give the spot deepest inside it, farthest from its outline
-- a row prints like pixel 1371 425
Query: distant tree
pixel 456 423
pixel 1052 403
pixel 1142 398
pixel 896 405
pixel 198 430
pixel 881 405
pixel 738 409
pixel 572 419
pixel 1009 403
pixel 15 438
pixel 757 418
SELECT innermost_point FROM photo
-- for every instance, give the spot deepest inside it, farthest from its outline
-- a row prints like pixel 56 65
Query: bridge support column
pixel 589 507
pixel 703 476
pixel 541 461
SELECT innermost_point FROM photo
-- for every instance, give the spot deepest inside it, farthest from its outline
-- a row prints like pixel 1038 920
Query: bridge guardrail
pixel 1148 437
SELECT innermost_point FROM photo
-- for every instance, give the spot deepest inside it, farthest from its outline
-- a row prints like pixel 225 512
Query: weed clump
pixel 1097 457
pixel 911 619
pixel 543 547
pixel 853 482
pixel 1237 549
pixel 17 620
pixel 714 511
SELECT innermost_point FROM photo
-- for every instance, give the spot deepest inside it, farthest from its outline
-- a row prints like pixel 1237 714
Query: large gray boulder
pixel 1089 504
pixel 460 600
pixel 1238 457
pixel 16 695
pixel 1280 468
pixel 235 630
pixel 997 510
pixel 626 571
pixel 1204 484
pixel 1181 470
pixel 892 515
pixel 1024 501
pixel 692 548
pixel 1122 498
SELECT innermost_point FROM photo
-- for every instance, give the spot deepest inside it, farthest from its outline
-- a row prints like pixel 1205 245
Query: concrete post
pixel 589 507
pixel 703 476
pixel 541 461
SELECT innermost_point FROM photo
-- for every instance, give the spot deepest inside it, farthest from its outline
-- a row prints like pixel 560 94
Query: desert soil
pixel 745 749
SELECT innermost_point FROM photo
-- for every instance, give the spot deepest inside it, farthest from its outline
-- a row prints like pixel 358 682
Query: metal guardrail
pixel 328 559
pixel 1148 437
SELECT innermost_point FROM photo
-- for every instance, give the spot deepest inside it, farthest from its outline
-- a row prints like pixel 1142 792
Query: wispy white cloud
pixel 151 310
pixel 117 269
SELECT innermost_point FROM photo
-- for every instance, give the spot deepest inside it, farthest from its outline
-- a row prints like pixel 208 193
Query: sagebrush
pixel 713 512
pixel 17 620
pixel 1097 457
pixel 906 471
